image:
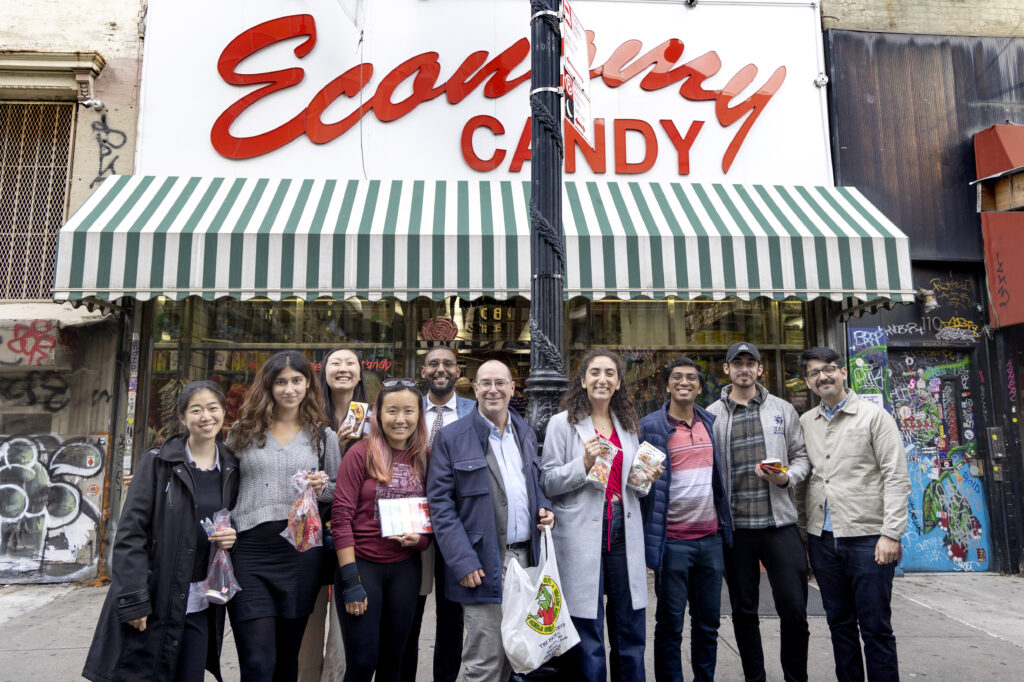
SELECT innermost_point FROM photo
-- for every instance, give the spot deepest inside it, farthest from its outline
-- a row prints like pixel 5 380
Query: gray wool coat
pixel 579 508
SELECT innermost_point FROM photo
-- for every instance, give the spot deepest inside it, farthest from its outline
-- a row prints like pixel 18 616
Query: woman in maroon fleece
pixel 379 576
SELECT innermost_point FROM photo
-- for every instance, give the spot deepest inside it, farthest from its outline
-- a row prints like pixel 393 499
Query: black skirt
pixel 277 580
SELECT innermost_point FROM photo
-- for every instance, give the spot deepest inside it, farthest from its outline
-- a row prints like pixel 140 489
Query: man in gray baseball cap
pixel 763 459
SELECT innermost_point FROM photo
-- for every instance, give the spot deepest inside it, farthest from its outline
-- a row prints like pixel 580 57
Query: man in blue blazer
pixel 486 505
pixel 441 407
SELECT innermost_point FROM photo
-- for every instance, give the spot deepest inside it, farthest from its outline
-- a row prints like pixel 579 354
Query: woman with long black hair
pixel 379 577
pixel 341 382
pixel 155 625
pixel 280 431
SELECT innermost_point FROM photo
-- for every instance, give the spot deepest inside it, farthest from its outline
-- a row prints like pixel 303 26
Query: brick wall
pixel 957 17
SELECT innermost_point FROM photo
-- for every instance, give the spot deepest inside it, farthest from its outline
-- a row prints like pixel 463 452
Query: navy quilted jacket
pixel 656 430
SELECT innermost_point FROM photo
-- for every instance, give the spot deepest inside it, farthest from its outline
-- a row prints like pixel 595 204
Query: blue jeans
pixel 856 593
pixel 691 571
pixel 627 627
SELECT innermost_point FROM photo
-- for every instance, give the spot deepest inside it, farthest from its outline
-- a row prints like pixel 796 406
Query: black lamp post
pixel 547 379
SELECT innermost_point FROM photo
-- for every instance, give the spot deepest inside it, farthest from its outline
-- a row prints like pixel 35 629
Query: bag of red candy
pixel 305 530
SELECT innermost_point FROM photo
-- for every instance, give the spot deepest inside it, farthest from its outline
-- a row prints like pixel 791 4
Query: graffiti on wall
pixel 35 343
pixel 108 140
pixel 869 364
pixel 932 402
pixel 47 390
pixel 50 490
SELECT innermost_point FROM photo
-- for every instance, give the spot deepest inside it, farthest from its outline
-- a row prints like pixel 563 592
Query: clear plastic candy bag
pixel 220 584
pixel 305 529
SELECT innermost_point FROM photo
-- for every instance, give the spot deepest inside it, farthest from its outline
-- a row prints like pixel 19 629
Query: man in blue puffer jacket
pixel 686 522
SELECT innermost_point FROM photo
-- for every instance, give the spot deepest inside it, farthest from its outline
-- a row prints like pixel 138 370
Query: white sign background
pixel 183 93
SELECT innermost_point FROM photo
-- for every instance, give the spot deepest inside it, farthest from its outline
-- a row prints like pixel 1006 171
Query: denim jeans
pixel 627 627
pixel 691 571
pixel 856 593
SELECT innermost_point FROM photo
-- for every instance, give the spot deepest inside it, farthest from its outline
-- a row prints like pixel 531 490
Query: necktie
pixel 438 423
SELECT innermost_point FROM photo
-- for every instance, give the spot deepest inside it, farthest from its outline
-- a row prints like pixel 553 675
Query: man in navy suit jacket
pixel 441 407
pixel 486 506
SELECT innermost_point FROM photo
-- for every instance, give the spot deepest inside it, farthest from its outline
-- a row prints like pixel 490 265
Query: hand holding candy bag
pixel 220 584
pixel 305 530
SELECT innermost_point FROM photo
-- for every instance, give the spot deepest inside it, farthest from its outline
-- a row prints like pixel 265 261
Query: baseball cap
pixel 742 347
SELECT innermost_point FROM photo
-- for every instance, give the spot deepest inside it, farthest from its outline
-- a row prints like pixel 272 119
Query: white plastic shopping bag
pixel 535 624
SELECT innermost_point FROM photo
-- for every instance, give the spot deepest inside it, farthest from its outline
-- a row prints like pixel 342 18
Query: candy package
pixel 646 455
pixel 355 419
pixel 220 584
pixel 602 468
pixel 305 530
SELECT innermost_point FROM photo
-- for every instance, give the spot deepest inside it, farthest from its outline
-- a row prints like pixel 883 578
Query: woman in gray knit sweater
pixel 280 431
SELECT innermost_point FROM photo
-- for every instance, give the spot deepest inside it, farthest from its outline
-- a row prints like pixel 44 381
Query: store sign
pixel 576 74
pixel 495 322
pixel 439 89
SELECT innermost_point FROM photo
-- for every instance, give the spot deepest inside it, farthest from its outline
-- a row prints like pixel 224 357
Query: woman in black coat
pixel 147 629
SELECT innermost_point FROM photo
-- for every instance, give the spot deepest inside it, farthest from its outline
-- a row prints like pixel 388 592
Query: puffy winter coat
pixel 152 568
pixel 655 429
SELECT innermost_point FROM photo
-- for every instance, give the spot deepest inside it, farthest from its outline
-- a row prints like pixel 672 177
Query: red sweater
pixel 354 519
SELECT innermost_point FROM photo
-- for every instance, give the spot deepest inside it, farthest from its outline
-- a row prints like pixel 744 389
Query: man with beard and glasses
pixel 441 407
pixel 764 459
pixel 856 514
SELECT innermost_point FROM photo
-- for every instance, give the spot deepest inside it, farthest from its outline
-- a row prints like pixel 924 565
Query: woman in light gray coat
pixel 599 532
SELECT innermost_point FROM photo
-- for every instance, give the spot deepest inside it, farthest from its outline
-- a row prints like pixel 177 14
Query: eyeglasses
pixel 434 364
pixel 827 370
pixel 496 383
pixel 408 383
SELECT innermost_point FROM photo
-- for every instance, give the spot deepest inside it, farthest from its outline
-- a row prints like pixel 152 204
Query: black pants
pixel 375 640
pixel 447 634
pixel 782 553
pixel 195 644
pixel 268 648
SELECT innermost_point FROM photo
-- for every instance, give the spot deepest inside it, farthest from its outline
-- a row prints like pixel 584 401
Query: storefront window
pixel 227 341
pixel 651 334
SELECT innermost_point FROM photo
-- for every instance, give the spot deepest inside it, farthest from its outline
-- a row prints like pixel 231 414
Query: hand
pixel 776 477
pixel 318 480
pixel 225 539
pixel 592 450
pixel 128 479
pixel 408 541
pixel 138 623
pixel 546 518
pixel 355 608
pixel 344 431
pixel 654 472
pixel 473 579
pixel 887 551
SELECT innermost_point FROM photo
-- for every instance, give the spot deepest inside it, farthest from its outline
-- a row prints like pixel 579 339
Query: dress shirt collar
pixel 452 404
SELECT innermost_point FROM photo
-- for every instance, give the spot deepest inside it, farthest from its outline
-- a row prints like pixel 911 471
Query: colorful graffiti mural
pixel 869 365
pixel 50 489
pixel 932 402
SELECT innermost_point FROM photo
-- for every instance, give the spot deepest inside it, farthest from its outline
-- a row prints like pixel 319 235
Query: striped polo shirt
pixel 691 501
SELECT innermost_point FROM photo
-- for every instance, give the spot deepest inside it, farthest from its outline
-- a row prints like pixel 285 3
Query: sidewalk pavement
pixel 948 627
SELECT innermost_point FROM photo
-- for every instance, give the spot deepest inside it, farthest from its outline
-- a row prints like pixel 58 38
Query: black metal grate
pixel 35 171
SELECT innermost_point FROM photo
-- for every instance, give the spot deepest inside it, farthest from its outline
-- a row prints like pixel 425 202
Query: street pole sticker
pixel 576 74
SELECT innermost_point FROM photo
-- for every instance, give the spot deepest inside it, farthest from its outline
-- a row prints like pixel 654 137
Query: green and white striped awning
pixel 146 236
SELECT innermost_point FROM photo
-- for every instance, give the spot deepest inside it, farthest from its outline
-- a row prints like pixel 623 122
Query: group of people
pixel 730 496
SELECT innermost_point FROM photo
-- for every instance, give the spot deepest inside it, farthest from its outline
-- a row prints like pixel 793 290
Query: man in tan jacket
pixel 856 514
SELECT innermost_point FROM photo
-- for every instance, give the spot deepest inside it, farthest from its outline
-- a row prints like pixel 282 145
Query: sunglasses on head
pixel 408 383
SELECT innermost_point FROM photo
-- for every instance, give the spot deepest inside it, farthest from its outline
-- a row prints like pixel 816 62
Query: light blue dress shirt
pixel 829 414
pixel 510 464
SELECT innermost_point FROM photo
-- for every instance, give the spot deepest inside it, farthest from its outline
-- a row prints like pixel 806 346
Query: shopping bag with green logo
pixel 535 624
